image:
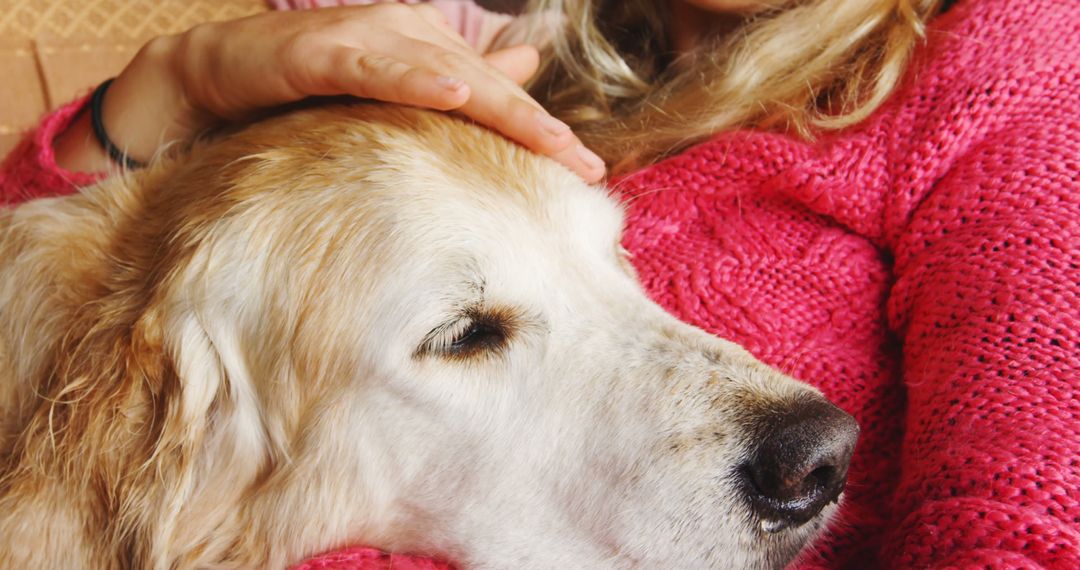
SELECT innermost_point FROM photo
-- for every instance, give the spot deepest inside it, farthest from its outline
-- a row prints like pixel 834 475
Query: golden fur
pixel 234 359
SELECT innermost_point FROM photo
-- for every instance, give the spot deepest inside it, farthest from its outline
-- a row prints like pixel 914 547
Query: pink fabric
pixel 369 559
pixel 462 15
pixel 923 269
pixel 30 169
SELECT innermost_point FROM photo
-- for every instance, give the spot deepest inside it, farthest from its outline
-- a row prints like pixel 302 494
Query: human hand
pixel 231 71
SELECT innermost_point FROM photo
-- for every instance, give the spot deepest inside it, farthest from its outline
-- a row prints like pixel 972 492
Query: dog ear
pixel 212 440
pixel 152 424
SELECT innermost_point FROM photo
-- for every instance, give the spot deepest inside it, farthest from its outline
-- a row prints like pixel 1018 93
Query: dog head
pixel 385 326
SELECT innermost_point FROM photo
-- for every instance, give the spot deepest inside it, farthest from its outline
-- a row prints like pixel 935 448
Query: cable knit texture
pixel 922 269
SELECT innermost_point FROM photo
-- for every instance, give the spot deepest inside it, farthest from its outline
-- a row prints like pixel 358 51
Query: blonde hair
pixel 804 67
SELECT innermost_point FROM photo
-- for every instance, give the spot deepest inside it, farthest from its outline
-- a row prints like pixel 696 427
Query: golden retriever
pixel 380 326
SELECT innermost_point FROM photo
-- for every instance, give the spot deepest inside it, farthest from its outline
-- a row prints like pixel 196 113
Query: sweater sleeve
pixel 30 170
pixel 987 300
pixel 987 303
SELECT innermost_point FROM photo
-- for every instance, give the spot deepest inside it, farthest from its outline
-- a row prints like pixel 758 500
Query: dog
pixel 383 326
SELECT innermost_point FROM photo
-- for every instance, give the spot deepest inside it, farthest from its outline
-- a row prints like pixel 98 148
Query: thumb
pixel 519 63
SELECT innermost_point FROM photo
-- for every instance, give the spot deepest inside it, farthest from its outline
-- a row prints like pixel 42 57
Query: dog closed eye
pixel 474 334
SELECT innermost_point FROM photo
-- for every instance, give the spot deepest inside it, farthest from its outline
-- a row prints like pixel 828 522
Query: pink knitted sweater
pixel 923 269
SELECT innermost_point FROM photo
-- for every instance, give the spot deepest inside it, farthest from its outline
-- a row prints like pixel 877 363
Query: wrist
pixel 146 107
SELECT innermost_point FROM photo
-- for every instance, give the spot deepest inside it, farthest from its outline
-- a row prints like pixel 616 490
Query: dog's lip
pixel 776 526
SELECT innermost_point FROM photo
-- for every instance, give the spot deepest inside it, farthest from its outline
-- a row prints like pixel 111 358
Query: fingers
pixel 506 108
pixel 519 63
pixel 533 128
pixel 420 61
pixel 499 103
pixel 387 79
pixel 521 119
pixel 583 161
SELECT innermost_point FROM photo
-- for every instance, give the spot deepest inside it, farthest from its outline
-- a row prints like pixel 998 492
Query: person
pixel 879 197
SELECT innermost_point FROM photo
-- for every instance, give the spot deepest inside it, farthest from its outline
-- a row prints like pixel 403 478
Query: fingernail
pixel 450 83
pixel 550 124
pixel 590 158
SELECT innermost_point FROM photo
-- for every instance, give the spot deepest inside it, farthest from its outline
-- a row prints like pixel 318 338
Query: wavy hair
pixel 804 67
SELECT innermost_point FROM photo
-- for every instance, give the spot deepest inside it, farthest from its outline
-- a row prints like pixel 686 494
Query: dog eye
pixel 467 337
pixel 478 336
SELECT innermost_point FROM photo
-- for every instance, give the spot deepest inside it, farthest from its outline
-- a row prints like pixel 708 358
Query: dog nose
pixel 802 464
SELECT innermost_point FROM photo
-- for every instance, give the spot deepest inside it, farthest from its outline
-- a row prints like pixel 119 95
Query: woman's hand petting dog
pixel 230 71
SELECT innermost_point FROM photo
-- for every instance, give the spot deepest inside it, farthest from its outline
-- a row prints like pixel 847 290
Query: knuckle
pixel 446 60
pixel 385 79
pixel 369 64
pixel 299 47
pixel 375 74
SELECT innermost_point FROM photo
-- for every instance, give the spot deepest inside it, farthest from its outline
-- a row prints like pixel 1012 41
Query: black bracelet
pixel 118 156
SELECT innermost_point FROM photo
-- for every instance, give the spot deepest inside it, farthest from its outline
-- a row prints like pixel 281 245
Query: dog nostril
pixel 801 463
pixel 822 476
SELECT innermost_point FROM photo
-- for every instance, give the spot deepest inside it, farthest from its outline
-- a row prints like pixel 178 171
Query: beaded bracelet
pixel 118 156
